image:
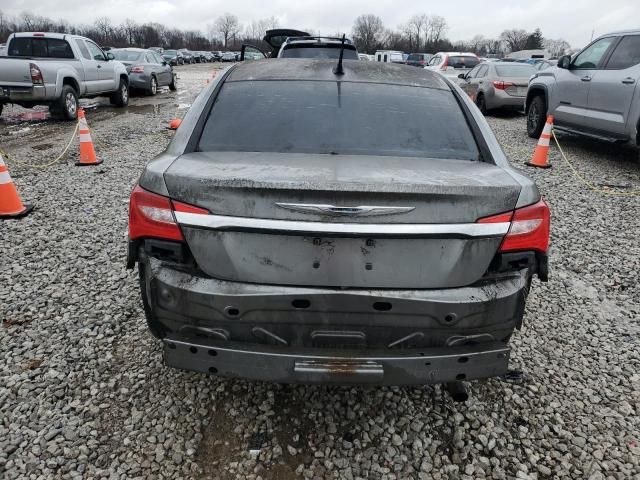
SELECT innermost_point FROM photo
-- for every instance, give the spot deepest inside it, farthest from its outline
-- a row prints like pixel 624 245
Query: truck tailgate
pixel 14 72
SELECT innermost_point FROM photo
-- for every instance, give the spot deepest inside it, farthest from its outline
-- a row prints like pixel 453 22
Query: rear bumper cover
pixel 295 334
pixel 417 366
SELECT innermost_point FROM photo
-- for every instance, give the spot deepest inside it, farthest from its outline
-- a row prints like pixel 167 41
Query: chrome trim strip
pixel 336 211
pixel 221 222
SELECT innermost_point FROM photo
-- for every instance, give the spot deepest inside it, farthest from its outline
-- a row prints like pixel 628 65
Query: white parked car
pixel 452 64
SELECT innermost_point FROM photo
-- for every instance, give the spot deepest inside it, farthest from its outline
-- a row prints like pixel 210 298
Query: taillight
pixel 529 228
pixel 137 69
pixel 151 215
pixel 36 74
pixel 500 85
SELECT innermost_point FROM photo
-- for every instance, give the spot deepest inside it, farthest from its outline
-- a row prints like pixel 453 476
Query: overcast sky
pixel 572 20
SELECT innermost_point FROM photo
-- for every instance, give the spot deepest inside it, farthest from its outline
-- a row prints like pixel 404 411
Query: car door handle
pixel 629 81
pixel 586 78
pixel 99 66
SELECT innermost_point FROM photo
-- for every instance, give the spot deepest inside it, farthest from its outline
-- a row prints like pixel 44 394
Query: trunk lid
pixel 422 191
pixel 519 87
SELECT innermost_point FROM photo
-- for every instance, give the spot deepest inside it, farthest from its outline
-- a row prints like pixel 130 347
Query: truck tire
pixel 66 107
pixel 536 117
pixel 153 86
pixel 120 98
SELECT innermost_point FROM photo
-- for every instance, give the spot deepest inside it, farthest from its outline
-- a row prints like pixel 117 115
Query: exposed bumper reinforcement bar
pixel 406 367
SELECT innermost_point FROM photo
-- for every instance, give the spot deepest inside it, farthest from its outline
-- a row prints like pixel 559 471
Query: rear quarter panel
pixel 529 193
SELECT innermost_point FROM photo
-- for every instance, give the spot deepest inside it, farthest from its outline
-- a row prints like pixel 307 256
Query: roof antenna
pixel 339 70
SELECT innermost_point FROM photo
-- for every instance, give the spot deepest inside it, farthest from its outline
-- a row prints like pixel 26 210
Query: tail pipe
pixel 458 391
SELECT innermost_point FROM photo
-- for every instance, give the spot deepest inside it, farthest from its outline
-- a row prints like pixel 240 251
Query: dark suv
pixel 315 224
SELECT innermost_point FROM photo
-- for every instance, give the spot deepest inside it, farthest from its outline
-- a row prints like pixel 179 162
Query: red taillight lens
pixel 500 85
pixel 36 74
pixel 529 228
pixel 151 215
pixel 137 69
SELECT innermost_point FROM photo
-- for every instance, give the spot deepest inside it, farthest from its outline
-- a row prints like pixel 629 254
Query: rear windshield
pixel 126 55
pixel 459 61
pixel 40 47
pixel 169 52
pixel 516 70
pixel 415 57
pixel 320 51
pixel 338 118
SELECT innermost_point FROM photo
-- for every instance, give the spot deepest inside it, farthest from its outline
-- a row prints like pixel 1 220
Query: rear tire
pixel 66 107
pixel 153 86
pixel 536 117
pixel 1 107
pixel 120 98
pixel 482 104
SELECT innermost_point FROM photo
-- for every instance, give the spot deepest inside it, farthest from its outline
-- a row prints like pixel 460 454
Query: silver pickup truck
pixel 57 69
pixel 595 93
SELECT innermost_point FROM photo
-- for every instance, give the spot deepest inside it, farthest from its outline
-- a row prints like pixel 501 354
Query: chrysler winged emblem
pixel 335 211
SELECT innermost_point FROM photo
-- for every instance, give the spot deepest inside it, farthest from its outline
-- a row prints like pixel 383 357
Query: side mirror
pixel 110 56
pixel 463 76
pixel 174 124
pixel 164 63
pixel 564 61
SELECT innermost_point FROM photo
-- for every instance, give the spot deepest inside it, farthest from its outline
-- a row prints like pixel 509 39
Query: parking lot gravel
pixel 84 393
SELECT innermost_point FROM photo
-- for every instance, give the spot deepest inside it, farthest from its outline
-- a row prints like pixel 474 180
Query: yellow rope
pixel 43 165
pixel 603 191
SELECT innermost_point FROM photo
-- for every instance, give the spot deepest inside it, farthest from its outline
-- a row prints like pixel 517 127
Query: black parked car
pixel 174 57
pixel 187 55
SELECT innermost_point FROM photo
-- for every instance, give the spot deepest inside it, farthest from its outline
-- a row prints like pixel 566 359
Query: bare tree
pixel 227 26
pixel 515 39
pixel 367 32
pixel 418 25
pixel 558 47
pixel 104 27
pixel 129 27
pixel 436 29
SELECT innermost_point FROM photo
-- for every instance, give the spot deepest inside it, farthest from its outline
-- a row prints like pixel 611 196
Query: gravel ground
pixel 83 392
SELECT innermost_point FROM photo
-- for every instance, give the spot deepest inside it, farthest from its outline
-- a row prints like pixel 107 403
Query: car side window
pixel 149 58
pixel 435 60
pixel 474 73
pixel 158 58
pixel 482 71
pixel 84 51
pixel 591 56
pixel 626 54
pixel 95 51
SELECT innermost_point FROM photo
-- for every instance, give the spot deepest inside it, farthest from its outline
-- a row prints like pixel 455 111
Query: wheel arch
pixel 71 82
pixel 534 91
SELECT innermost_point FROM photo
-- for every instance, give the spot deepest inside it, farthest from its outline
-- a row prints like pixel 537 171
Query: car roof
pixel 463 54
pixel 618 33
pixel 322 69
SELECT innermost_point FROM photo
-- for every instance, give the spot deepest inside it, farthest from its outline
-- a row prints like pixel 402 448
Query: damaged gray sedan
pixel 355 227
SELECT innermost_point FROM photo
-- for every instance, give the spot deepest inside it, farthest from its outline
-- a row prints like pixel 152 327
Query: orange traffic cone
pixel 540 157
pixel 87 152
pixel 10 204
